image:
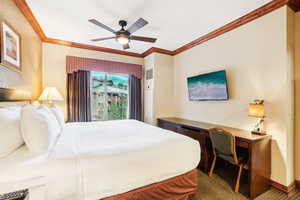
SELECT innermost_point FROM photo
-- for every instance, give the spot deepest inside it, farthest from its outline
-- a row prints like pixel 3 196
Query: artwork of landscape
pixel 10 48
pixel 211 86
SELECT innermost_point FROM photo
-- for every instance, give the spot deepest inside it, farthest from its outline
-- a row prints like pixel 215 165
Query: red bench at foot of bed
pixel 183 187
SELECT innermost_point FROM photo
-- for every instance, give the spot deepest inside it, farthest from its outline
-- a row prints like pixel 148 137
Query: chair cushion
pixel 229 158
pixel 222 142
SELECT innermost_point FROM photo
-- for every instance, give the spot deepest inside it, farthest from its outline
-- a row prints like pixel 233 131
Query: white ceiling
pixel 173 22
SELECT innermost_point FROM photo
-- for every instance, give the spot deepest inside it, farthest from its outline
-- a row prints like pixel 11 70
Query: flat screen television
pixel 208 87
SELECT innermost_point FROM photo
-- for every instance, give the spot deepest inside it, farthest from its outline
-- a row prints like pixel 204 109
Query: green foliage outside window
pixel 110 96
pixel 118 110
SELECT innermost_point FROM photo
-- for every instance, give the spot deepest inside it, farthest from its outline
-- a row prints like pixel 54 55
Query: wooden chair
pixel 224 147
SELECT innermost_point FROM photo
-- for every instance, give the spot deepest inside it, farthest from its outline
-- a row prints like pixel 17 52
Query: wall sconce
pixel 256 109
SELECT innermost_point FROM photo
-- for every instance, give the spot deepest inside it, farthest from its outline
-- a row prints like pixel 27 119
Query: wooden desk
pixel 259 148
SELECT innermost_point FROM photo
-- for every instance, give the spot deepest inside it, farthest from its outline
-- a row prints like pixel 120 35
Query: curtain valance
pixel 88 64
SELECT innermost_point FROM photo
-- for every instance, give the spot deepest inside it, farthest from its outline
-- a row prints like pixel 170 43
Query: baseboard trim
pixel 286 189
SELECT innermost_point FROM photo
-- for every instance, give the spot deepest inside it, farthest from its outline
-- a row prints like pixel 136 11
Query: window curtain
pixel 78 70
pixel 95 65
pixel 135 98
pixel 78 90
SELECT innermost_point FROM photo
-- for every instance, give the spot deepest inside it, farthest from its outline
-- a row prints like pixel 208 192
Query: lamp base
pixel 258 128
pixel 258 132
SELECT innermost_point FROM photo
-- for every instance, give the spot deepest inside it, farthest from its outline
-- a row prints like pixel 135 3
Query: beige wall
pixel 164 84
pixel 159 91
pixel 54 64
pixel 297 95
pixel 290 92
pixel 30 78
pixel 255 57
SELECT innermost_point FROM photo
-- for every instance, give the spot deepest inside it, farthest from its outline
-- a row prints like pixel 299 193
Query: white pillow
pixel 10 134
pixel 58 114
pixel 40 129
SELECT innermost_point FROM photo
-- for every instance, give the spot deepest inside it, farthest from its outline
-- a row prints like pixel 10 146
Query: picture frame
pixel 10 47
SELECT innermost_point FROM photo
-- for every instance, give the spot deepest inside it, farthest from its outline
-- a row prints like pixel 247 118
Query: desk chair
pixel 224 146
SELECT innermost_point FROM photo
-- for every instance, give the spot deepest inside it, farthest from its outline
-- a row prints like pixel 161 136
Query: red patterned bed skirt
pixel 183 187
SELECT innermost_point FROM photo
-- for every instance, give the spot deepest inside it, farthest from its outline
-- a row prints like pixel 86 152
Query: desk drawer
pixel 168 126
pixel 242 144
pixel 190 133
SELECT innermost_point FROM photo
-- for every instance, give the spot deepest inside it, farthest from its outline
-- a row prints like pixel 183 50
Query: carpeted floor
pixel 215 188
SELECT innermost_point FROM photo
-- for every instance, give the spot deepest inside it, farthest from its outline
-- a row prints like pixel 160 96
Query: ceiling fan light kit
pixel 122 39
pixel 123 36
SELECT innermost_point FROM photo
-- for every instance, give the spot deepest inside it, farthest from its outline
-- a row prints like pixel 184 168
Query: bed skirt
pixel 183 187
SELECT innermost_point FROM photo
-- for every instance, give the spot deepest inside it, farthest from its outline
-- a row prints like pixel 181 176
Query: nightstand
pixel 33 188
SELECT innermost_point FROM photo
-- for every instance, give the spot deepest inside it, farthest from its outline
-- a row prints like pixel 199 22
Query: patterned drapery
pixel 88 64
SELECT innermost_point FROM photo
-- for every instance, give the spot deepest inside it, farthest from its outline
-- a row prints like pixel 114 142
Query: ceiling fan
pixel 124 36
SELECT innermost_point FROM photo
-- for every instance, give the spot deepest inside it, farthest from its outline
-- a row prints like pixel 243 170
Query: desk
pixel 259 148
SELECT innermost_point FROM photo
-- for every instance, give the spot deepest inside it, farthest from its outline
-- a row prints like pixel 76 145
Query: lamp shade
pixel 51 94
pixel 256 110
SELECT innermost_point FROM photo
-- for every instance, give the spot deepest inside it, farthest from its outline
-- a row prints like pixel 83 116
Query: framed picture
pixel 10 42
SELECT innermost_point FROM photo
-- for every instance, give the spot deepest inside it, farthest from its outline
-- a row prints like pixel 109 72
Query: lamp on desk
pixel 256 109
pixel 50 94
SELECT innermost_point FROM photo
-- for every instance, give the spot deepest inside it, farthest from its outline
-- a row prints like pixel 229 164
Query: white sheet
pixel 99 159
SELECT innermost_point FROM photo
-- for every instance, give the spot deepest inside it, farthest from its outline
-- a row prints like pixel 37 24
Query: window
pixel 109 98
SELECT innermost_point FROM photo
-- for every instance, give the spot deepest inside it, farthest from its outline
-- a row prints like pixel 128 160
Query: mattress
pixel 101 159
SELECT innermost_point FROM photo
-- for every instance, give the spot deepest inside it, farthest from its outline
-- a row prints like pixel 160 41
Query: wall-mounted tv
pixel 208 87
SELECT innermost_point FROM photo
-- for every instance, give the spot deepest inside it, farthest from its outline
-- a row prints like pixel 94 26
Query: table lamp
pixel 50 94
pixel 256 109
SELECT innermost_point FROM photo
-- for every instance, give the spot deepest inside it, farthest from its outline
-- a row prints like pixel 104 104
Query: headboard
pixel 13 95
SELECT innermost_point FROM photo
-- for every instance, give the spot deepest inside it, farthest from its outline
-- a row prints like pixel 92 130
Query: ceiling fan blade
pixel 101 39
pixel 126 46
pixel 137 25
pixel 144 39
pixel 102 25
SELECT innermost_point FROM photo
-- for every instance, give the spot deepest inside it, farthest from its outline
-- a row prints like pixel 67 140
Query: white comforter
pixel 100 159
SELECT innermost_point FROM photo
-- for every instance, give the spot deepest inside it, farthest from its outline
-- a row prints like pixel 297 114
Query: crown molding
pixel 157 50
pixel 267 8
pixel 91 47
pixel 26 11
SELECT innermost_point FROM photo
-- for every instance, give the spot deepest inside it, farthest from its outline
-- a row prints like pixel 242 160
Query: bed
pixel 111 160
